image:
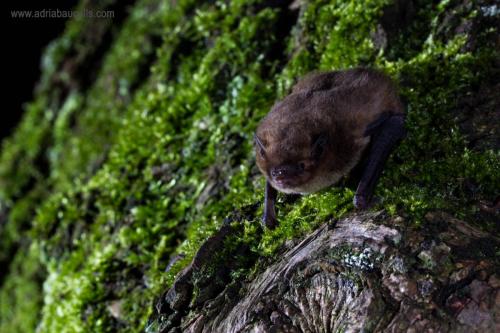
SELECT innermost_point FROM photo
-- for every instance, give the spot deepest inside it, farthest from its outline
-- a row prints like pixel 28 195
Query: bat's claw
pixel 360 202
pixel 269 221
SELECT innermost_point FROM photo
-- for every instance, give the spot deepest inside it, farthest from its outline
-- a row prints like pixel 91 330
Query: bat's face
pixel 289 165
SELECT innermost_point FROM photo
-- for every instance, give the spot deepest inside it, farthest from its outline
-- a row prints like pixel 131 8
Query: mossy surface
pixel 150 158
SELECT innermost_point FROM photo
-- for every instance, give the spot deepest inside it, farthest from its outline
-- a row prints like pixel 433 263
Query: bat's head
pixel 293 143
pixel 292 161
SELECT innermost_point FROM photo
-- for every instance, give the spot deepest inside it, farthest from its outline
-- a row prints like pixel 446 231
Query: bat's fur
pixel 338 105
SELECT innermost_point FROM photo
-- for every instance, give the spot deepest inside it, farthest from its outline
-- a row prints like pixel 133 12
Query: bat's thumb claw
pixel 360 202
pixel 269 222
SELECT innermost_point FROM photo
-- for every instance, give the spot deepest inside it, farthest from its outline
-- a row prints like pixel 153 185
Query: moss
pixel 148 161
pixel 21 292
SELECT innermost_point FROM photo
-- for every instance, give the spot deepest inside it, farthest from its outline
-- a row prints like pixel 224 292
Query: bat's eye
pixel 305 165
pixel 318 151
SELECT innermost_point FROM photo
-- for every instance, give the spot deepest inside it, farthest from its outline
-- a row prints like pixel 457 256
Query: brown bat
pixel 319 133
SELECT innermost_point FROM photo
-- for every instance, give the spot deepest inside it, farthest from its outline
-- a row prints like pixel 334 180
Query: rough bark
pixel 364 273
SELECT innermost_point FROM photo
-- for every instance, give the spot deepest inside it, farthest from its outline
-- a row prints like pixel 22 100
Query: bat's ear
pixel 259 146
pixel 318 146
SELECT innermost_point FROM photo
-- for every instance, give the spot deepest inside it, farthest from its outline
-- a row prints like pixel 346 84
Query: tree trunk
pixel 364 273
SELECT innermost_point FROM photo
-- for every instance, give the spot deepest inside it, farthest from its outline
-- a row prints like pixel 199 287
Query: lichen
pixel 365 259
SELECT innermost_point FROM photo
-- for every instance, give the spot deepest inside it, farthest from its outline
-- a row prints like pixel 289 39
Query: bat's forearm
pixel 269 218
pixel 384 138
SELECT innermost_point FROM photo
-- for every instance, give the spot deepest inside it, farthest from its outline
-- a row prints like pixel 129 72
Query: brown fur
pixel 341 104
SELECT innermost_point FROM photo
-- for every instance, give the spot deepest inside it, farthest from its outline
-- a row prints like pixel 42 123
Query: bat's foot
pixel 269 221
pixel 361 202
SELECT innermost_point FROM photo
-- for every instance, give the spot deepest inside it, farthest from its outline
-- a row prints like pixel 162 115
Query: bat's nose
pixel 279 172
pixel 284 172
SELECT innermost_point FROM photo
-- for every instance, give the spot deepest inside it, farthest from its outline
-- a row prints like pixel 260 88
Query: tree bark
pixel 364 273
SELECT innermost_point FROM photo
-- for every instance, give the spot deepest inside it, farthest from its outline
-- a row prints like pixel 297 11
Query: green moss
pixel 149 160
pixel 309 212
pixel 21 293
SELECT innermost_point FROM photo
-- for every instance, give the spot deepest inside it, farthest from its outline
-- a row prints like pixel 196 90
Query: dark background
pixel 25 42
